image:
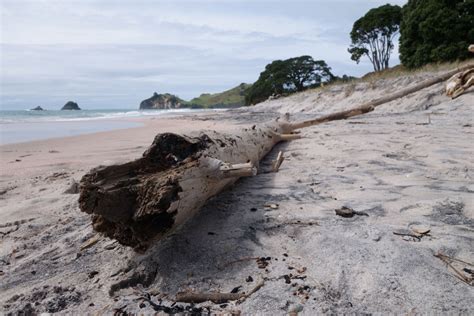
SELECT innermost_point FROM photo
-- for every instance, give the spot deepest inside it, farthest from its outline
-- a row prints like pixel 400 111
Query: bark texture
pixel 143 200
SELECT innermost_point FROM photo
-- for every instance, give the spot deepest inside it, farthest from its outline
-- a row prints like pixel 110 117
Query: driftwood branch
pixel 371 105
pixel 140 202
pixel 458 274
pixel 215 297
pixel 238 170
pixel 278 161
pixel 460 81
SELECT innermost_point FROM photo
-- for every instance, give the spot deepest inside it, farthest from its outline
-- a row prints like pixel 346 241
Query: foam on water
pixel 28 125
pixel 7 116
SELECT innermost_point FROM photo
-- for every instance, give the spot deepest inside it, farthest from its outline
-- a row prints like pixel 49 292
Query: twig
pixel 216 297
pixel 455 259
pixel 255 289
pixel 296 223
pixel 277 163
pixel 90 242
pixel 459 274
pixel 408 234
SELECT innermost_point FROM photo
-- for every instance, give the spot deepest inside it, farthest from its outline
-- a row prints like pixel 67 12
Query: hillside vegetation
pixel 234 97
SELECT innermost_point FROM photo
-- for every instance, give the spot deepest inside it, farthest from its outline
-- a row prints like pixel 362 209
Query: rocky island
pixel 231 98
pixel 70 105
pixel 38 108
pixel 162 101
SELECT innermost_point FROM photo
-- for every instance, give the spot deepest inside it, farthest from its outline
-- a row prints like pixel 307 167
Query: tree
pixel 288 76
pixel 372 35
pixel 436 31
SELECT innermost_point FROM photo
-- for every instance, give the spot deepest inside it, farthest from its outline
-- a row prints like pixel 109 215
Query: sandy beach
pixel 408 164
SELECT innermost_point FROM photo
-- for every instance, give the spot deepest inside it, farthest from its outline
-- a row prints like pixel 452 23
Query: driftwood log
pixel 141 201
pixel 461 81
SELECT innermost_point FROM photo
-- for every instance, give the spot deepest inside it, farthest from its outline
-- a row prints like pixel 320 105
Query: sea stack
pixel 162 101
pixel 70 105
pixel 38 108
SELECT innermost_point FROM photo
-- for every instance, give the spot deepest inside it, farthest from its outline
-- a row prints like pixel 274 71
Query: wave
pixel 29 116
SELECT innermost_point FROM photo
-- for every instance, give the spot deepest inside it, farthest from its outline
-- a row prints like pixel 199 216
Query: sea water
pixel 27 125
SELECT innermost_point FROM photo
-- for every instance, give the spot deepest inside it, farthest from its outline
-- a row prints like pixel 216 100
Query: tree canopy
pixel 287 76
pixel 372 35
pixel 436 31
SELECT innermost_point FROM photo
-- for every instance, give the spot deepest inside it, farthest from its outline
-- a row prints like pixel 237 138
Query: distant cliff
pixel 234 97
pixel 162 101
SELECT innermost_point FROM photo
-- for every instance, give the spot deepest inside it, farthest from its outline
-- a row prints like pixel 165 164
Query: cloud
pixel 113 54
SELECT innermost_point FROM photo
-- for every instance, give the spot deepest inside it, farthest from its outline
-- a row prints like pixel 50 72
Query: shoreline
pixel 14 133
pixel 43 129
pixel 96 147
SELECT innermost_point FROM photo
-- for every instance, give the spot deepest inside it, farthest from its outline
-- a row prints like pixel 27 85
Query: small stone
pixel 421 229
pixel 272 206
pixel 345 211
pixel 73 188
pixel 376 238
pixel 296 309
pixel 249 279
pixel 92 274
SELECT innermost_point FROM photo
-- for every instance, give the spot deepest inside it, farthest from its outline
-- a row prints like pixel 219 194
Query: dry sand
pixel 408 163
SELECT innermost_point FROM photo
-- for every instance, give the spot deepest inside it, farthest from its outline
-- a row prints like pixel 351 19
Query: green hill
pixel 234 97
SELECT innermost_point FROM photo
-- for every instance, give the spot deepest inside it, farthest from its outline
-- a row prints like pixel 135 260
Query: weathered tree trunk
pixel 140 201
pixel 143 200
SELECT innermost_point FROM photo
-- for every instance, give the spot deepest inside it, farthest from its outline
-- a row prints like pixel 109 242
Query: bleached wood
pixel 288 137
pixel 371 105
pixel 459 83
pixel 278 161
pixel 238 170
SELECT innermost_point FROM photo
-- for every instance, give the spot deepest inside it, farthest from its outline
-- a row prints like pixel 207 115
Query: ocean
pixel 27 125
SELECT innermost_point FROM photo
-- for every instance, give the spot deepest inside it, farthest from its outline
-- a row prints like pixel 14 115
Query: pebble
pixel 376 238
pixel 421 229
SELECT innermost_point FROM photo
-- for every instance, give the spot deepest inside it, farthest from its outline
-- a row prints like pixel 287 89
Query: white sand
pixel 390 164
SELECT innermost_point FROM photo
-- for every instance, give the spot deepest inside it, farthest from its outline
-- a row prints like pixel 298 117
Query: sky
pixel 113 54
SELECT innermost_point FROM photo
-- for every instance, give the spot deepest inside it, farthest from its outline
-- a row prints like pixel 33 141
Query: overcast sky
pixel 113 54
